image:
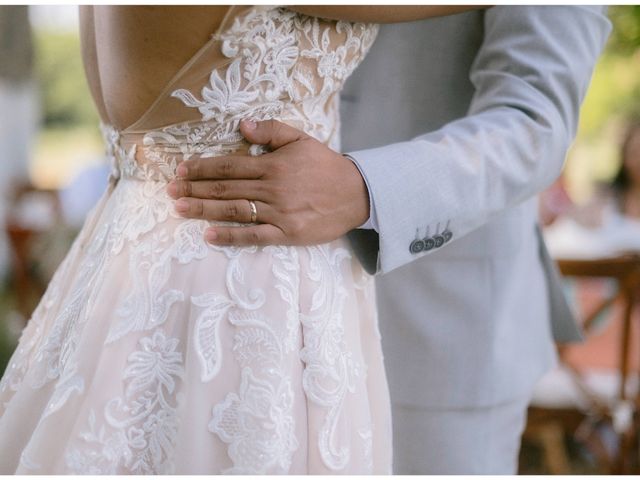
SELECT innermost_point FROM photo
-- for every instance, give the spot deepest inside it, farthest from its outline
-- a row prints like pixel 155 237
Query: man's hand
pixel 304 192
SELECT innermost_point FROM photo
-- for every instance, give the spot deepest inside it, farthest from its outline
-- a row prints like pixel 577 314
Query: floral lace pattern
pixel 160 353
pixel 143 425
pixel 284 66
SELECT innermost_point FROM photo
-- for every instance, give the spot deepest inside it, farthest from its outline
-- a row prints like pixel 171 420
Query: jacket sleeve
pixel 530 77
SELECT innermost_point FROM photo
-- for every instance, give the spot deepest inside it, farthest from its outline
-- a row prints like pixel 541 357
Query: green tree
pixel 65 95
pixel 625 37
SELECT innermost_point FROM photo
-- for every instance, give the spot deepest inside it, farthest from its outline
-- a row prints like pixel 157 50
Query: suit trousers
pixel 462 441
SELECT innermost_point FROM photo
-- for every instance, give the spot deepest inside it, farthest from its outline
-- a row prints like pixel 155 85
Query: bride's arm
pixel 381 13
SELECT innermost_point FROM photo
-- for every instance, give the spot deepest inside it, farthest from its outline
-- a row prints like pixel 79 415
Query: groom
pixel 453 126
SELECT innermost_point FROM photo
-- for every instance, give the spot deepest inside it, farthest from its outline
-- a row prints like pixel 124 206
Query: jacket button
pixel 447 235
pixel 416 246
pixel 429 243
pixel 439 239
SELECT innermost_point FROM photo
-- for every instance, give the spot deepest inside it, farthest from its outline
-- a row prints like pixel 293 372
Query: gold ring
pixel 254 211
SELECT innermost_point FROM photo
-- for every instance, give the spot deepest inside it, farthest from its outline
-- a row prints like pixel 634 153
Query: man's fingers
pixel 223 211
pixel 264 234
pixel 270 132
pixel 229 167
pixel 217 190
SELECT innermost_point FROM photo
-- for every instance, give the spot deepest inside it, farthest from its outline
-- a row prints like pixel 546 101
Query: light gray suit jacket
pixel 468 295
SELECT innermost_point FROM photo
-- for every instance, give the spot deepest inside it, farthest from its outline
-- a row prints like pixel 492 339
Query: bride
pixel 153 351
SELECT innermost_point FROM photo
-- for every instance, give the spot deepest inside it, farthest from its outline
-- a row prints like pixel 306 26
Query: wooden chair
pixel 28 284
pixel 594 414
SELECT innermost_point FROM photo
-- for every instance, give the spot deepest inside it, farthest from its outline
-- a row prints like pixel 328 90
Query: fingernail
pixel 182 206
pixel 181 171
pixel 210 235
pixel 172 189
pixel 249 124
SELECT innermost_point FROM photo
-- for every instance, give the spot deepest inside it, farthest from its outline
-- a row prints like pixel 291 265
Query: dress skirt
pixel 154 352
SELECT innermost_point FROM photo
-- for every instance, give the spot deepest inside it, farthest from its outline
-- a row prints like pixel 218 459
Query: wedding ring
pixel 254 211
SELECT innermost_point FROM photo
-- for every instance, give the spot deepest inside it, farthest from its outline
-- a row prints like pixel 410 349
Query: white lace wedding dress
pixel 155 352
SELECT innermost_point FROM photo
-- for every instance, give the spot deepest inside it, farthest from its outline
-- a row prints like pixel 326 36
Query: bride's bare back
pixel 131 52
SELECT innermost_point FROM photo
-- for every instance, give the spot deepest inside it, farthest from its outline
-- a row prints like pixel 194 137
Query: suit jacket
pixel 467 301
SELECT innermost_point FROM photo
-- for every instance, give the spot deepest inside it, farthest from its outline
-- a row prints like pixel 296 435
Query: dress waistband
pixel 154 155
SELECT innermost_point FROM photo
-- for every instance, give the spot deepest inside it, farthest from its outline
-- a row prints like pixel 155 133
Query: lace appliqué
pixel 58 347
pixel 258 425
pixel 141 427
pixel 285 66
pixel 256 422
pixel 330 369
pixel 147 306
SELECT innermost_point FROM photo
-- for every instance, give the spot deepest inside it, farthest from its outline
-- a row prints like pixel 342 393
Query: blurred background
pixel 585 416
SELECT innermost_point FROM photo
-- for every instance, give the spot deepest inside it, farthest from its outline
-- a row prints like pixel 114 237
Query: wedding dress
pixel 153 351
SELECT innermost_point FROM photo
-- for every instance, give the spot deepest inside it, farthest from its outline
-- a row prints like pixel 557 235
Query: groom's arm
pixel 530 75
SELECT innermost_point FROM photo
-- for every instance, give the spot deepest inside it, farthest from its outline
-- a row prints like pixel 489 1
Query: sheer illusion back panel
pixel 138 50
pixel 263 62
pixel 165 110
